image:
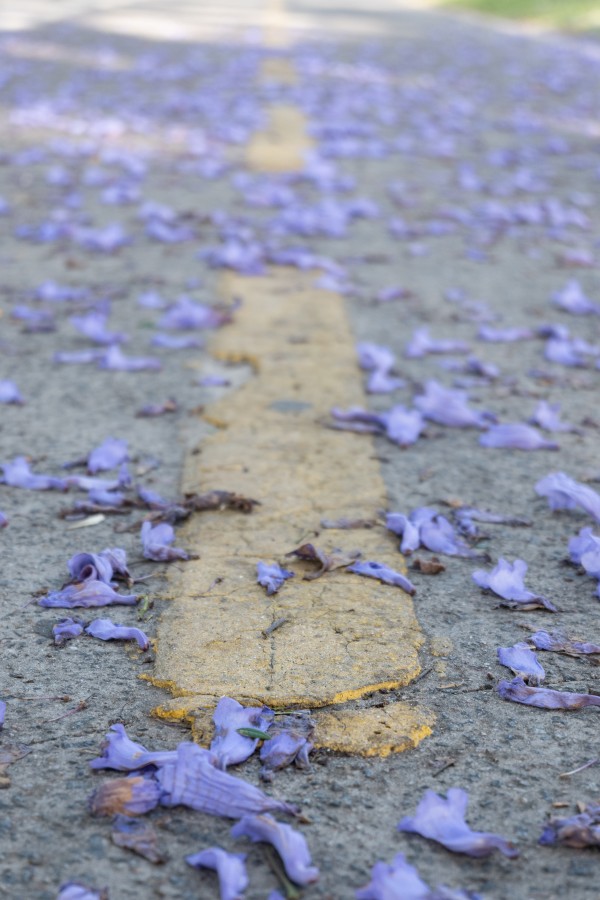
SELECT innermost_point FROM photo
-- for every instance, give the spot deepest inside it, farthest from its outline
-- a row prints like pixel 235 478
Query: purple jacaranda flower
pixel 2 713
pixel 77 357
pixel 379 361
pixel 544 698
pixel 564 492
pixel 56 293
pixel 106 498
pixel 115 360
pixel 523 662
pixel 117 557
pixel 150 410
pixel 156 541
pixel 289 743
pixel 421 344
pixel 10 393
pixel 3 520
pixel 572 299
pixel 400 881
pixel 121 753
pixel 546 415
pixel 559 350
pixel 228 746
pixel 515 436
pixel 93 483
pixel 438 535
pixel 230 868
pixel 557 642
pixel 271 576
pixel 151 300
pixel 105 240
pixel 108 455
pixel 507 581
pixel 382 573
pixel 37 321
pixel 176 342
pixel 586 542
pixel 443 820
pixel 504 335
pixel 18 474
pixel 152 499
pixel 194 781
pixel 289 843
pixel 186 314
pixel 449 407
pixel 107 630
pixel 553 330
pixel 87 594
pixel 134 795
pixel 74 890
pixel 466 516
pixel 93 325
pixel 66 630
pixel 405 527
pixel 247 257
pixel 580 831
pixel 402 426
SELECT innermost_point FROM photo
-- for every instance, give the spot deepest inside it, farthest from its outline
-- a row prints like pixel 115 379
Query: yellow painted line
pixel 343 637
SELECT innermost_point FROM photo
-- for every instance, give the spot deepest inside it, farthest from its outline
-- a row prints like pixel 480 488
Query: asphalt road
pixel 455 161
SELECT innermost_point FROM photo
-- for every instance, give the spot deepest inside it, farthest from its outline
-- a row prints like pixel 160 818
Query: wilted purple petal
pixel 3 520
pixel 507 581
pixel 382 573
pixel 558 642
pixel 73 890
pixel 66 630
pixel 87 594
pixel 105 240
pixel 523 662
pixel 106 498
pixel 176 342
pixel 504 335
pixel 157 409
pixel 402 426
pixel 151 300
pixel 584 542
pixel 544 698
pixel 79 356
pixel 18 474
pixel 121 753
pixel 227 745
pixel 115 360
pixel 186 314
pixel 117 557
pixel 230 867
pixel 156 541
pixel 131 796
pixel 244 257
pixel 192 780
pixel 400 881
pixel 572 299
pixel 108 455
pixel 90 566
pixel 402 525
pixel 443 820
pixel 379 361
pixel 106 630
pixel 271 576
pixel 2 713
pixel 289 743
pixel 564 492
pixel 438 535
pixel 515 436
pixel 152 499
pixel 289 843
pixel 466 517
pixel 546 415
pixel 358 419
pixel 449 407
pixel 93 483
pixel 580 831
pixel 9 393
pixel 94 326
pixel 422 343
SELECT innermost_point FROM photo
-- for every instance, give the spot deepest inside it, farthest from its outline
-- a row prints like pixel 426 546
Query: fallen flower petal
pixel 194 781
pixel 382 573
pixel 449 407
pixel 327 562
pixel 90 567
pixel 230 868
pixel 94 326
pixel 176 342
pixel 573 300
pixel 137 835
pixel 271 576
pixel 131 796
pixel 289 843
pixel 402 426
pixel 506 580
pixel 523 662
pixel 515 436
pixel 438 535
pixel 87 594
pixel 121 753
pixel 504 335
pixel 228 745
pixel 580 831
pixel 289 743
pixel 558 642
pixel 400 881
pixel 544 698
pixel 73 890
pixel 564 492
pixel 115 360
pixel 18 474
pixel 546 415
pixel 106 630
pixel 422 343
pixel 10 393
pixel 443 820
pixel 156 541
pixel 77 357
pixel 110 454
pixel 157 409
pixel 66 630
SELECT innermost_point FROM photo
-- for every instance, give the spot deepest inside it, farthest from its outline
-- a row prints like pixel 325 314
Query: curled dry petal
pixel 578 831
pixel 523 662
pixel 156 541
pixel 108 455
pixel 74 890
pixel 515 436
pixel 106 630
pixel 443 820
pixel 544 698
pixel 18 474
pixel 192 780
pixel 449 407
pixel 271 576
pixel 90 566
pixel 66 630
pixel 558 642
pixel 382 573
pixel 137 835
pixel 121 753
pixel 132 796
pixel 289 843
pixel 87 594
pixel 230 868
pixel 564 492
pixel 228 746
pixel 506 580
pixel 326 562
pixel 289 743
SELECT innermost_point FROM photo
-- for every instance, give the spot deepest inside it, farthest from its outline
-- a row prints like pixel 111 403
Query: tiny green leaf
pixel 255 733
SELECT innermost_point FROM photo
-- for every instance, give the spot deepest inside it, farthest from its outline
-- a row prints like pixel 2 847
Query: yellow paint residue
pixel 283 145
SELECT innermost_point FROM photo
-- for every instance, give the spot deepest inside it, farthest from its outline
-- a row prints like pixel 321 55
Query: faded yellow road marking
pixel 283 146
pixel 345 636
